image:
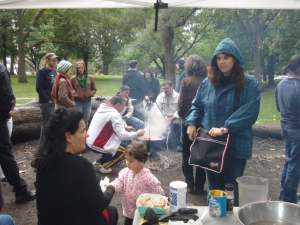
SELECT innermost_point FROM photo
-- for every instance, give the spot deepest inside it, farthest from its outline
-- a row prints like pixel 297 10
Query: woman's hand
pixel 191 132
pixel 215 132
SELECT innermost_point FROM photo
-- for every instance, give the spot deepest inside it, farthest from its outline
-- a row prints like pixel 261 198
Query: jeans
pixel 85 108
pixel 8 162
pixel 233 169
pixel 46 110
pixel 198 181
pixel 134 122
pixel 6 220
pixel 138 109
pixel 291 170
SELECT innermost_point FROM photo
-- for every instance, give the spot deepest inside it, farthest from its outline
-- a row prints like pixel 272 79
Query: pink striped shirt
pixel 131 187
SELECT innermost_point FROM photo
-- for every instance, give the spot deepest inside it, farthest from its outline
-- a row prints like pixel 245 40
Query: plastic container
pixel 217 203
pixel 252 189
pixel 154 198
pixel 178 190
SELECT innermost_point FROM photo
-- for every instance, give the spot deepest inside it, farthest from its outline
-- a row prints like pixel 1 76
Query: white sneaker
pixel 105 171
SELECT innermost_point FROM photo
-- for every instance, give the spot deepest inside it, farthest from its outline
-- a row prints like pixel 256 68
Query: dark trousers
pixel 233 169
pixel 128 221
pixel 8 162
pixel 198 181
pixel 46 110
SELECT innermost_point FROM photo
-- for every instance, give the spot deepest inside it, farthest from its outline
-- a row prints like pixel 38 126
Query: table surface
pixel 203 214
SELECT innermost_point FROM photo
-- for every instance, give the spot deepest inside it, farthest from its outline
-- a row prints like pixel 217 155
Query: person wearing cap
pixel 85 88
pixel 181 73
pixel 62 91
pixel 227 102
pixel 135 81
pixel 287 96
pixel 44 82
pixel 7 160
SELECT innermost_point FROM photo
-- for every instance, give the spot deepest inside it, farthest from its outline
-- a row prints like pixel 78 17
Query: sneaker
pixel 24 197
pixel 105 171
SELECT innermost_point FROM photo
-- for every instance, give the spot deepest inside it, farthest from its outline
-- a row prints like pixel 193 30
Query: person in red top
pixel 62 91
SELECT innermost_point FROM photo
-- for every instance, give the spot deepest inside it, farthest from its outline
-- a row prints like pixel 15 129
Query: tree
pixel 255 24
pixel 26 21
pixel 7 38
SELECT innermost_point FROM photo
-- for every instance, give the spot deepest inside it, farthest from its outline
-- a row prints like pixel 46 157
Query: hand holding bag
pixel 209 152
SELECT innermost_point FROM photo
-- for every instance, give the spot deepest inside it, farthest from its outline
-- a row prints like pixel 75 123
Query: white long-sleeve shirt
pixel 107 130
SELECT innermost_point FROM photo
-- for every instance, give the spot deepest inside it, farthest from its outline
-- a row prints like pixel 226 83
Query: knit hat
pixel 228 46
pixel 63 66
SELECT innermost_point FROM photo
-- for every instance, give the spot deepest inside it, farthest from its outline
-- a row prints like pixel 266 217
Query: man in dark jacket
pixel 7 160
pixel 135 81
pixel 44 83
pixel 288 104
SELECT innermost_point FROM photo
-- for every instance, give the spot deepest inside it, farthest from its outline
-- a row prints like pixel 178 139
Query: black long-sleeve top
pixel 44 82
pixel 7 98
pixel 68 193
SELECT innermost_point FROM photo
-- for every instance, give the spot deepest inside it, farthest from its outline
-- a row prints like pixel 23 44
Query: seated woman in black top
pixel 68 192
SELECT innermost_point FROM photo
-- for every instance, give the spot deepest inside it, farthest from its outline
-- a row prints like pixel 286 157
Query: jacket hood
pixel 104 108
pixel 228 46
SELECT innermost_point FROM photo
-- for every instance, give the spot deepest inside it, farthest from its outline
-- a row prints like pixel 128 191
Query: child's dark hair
pixel 138 151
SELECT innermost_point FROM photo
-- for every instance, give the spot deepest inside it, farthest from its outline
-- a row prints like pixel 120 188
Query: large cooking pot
pixel 269 213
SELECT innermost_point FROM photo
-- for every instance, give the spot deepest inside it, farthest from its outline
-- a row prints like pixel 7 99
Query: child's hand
pixel 104 183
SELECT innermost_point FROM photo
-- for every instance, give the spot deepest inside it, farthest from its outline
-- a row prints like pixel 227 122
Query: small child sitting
pixel 135 180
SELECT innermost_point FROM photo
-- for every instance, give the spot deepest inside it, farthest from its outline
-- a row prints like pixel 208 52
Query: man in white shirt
pixel 167 102
pixel 106 132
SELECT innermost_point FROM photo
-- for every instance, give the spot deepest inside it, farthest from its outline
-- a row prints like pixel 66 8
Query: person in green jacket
pixel 227 102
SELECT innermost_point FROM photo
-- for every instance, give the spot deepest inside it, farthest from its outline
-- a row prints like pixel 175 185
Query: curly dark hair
pixel 53 142
pixel 195 66
pixel 216 76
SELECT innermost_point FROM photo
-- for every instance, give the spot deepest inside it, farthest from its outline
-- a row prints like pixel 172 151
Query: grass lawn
pixel 268 114
pixel 108 85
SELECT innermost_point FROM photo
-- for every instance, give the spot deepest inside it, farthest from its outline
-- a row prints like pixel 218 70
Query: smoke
pixel 155 123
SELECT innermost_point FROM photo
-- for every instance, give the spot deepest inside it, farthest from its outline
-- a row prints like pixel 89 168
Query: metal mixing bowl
pixel 269 213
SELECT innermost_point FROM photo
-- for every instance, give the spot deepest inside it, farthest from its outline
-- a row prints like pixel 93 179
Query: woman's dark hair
pixel 293 65
pixel 216 76
pixel 53 142
pixel 195 66
pixel 149 71
pixel 138 151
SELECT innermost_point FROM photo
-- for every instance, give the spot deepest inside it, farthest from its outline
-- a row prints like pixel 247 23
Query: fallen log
pixel 27 120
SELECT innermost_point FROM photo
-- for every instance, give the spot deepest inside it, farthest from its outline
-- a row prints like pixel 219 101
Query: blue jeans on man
pixel 291 169
pixel 134 122
pixel 85 108
pixel 46 110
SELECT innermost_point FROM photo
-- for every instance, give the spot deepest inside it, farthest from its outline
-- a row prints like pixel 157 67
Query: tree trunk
pixel 168 38
pixel 257 59
pixel 12 65
pixel 105 68
pixel 4 47
pixel 271 70
pixel 21 47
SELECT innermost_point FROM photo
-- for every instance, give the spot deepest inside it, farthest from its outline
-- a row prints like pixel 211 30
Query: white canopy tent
pixel 238 4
